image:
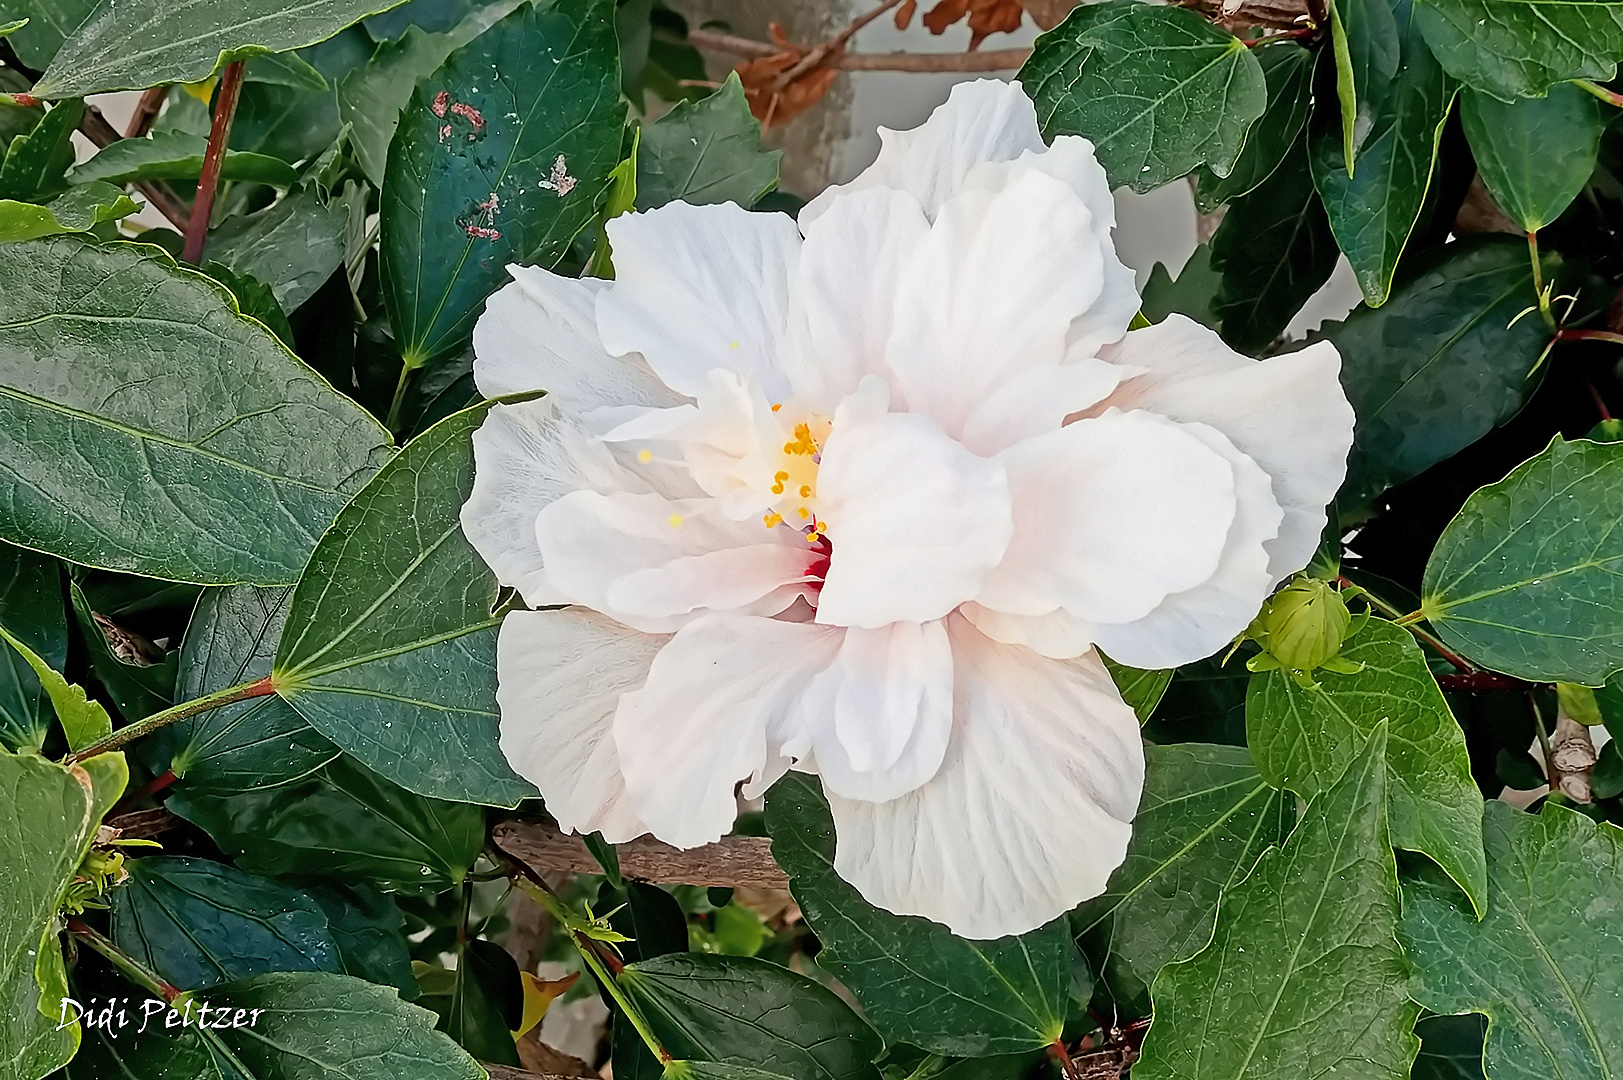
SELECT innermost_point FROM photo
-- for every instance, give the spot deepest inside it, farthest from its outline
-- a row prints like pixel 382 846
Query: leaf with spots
pixel 1521 48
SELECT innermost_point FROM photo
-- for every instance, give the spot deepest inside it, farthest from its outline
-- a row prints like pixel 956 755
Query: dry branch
pixel 733 862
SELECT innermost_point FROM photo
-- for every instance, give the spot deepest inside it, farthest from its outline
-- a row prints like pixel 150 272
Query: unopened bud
pixel 1303 625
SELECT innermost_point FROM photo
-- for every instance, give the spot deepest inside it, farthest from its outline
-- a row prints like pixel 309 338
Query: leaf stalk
pixel 225 110
pixel 230 695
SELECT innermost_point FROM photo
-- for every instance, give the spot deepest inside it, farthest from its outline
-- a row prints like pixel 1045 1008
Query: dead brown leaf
pixel 904 14
pixel 773 105
pixel 986 17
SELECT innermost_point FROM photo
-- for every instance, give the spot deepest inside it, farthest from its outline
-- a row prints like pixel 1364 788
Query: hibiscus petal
pixel 560 675
pixel 652 562
pixel 916 520
pixel 526 456
pixel 1058 635
pixel 1111 515
pixel 845 292
pixel 1039 400
pixel 1288 413
pixel 701 287
pixel 1030 810
pixel 540 333
pixel 991 293
pixel 720 699
pixel 882 712
pixel 982 120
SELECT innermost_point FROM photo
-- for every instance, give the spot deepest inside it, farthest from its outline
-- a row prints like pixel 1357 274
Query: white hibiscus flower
pixel 859 496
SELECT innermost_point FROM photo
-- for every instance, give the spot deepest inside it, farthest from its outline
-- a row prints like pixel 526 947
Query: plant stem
pixel 833 46
pixel 1590 335
pixel 1538 281
pixel 1543 741
pixel 392 421
pixel 95 127
pixel 225 109
pixel 1410 622
pixel 1601 92
pixel 228 696
pixel 1594 394
pixel 629 1010
pixel 146 111
pixel 131 968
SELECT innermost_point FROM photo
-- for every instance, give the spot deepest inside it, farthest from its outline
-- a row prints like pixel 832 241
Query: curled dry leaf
pixel 905 13
pixel 986 17
pixel 773 104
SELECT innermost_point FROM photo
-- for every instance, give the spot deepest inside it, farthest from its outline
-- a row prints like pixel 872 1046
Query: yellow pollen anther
pixel 778 406
pixel 772 520
pixel 780 475
pixel 777 489
pixel 804 513
pixel 645 456
pixel 805 491
pixel 675 521
pixel 733 345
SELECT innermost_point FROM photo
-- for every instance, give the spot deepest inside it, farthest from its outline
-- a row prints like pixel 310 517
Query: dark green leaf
pixel 444 387
pixel 1546 964
pixel 293 245
pixel 138 684
pixel 78 209
pixel 1205 817
pixel 394 655
pixel 1439 365
pixel 1521 48
pixel 1400 124
pixel 142 1050
pixel 286 69
pixel 367 928
pixel 36 163
pixel 1303 738
pixel 282 122
pixel 1159 90
pixel 1191 294
pixel 429 16
pixel 31 608
pixel 254 299
pixel 917 981
pixel 84 722
pixel 648 915
pixel 733 1010
pixel 252 744
pixel 482 1001
pixel 1535 156
pixel 316 1026
pixel 606 857
pixel 130 44
pixel 200 923
pixel 500 169
pixel 709 1070
pixel 1274 249
pixel 342 823
pixel 172 155
pixel 371 97
pixel 1204 702
pixel 1142 690
pixel 1287 69
pixel 1525 579
pixel 706 151
pixel 1367 50
pixel 1606 778
pixel 1303 976
pixel 49 24
pixel 1450 1047
pixel 114 462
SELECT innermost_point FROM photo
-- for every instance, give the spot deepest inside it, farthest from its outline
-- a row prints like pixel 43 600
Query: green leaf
pixel 286 69
pixel 735 1010
pixel 1274 249
pixel 1521 48
pixel 1535 156
pixel 31 608
pixel 200 923
pixel 254 299
pixel 173 155
pixel 36 162
pixel 1303 976
pixel 1400 124
pixel 1439 365
pixel 315 1025
pixel 483 1003
pixel 341 823
pixel 131 44
pixel 137 686
pixel 499 170
pixel 1191 294
pixel 915 980
pixel 1525 579
pixel 1450 1047
pixel 706 151
pixel 48 25
pixel 281 122
pixel 79 209
pixel 1205 817
pixel 293 245
pixel 709 1070
pixel 394 654
pixel 113 462
pixel 1287 69
pixel 1303 737
pixel 367 928
pixel 252 744
pixel 1142 690
pixel 84 721
pixel 1366 48
pixel 371 97
pixel 1159 90
pixel 1546 964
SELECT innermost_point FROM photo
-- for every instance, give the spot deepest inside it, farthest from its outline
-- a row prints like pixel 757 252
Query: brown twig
pixel 145 824
pixel 96 128
pixel 994 60
pixel 832 47
pixel 146 111
pixel 1263 14
pixel 732 862
pixel 225 109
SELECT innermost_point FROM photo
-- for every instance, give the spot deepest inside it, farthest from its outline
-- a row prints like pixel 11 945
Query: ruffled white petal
pixel 720 700
pixel 1030 810
pixel 655 563
pixel 1038 401
pixel 526 456
pixel 560 675
pixel 1058 635
pixel 1287 413
pixel 1111 515
pixel 701 287
pixel 916 520
pixel 845 291
pixel 882 712
pixel 991 293
pixel 982 120
pixel 539 332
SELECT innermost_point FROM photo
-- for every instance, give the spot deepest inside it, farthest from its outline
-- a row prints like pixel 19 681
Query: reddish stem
pixel 225 109
pixel 1600 402
pixel 1480 680
pixel 156 784
pixel 146 111
pixel 123 960
pixel 1589 335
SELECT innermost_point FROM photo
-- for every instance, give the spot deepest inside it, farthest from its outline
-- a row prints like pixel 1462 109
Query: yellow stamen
pixel 804 513
pixel 805 491
pixel 675 521
pixel 645 456
pixel 778 406
pixel 772 520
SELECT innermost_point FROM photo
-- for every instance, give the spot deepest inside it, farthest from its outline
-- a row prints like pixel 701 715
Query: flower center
pixel 794 480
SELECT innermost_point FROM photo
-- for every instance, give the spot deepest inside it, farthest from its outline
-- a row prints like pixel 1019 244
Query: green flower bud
pixel 1303 625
